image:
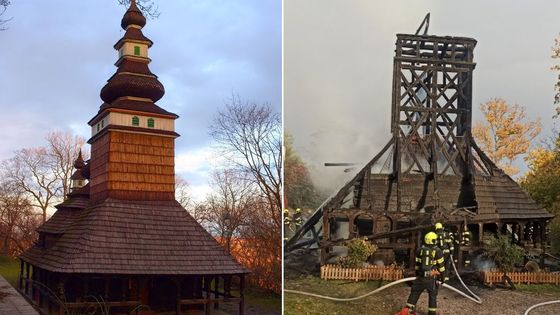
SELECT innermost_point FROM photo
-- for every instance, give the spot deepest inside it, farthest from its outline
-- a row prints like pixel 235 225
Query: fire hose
pixel 539 305
pixel 376 291
pixel 473 298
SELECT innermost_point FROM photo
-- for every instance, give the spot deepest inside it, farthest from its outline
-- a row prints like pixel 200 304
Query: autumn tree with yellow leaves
pixel 542 183
pixel 506 133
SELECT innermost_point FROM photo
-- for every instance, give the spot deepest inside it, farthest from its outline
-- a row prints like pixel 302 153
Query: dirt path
pixel 495 302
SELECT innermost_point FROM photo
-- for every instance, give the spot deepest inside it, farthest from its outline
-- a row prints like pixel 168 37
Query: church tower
pixel 120 236
pixel 132 143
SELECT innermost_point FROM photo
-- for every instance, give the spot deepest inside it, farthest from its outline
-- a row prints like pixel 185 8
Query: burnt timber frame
pixel 431 146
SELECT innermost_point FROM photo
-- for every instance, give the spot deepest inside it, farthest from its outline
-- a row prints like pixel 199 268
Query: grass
pixel 299 304
pixel 9 269
pixel 265 301
pixel 539 288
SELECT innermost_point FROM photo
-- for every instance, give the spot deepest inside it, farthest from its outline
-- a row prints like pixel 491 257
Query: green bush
pixel 359 250
pixel 505 254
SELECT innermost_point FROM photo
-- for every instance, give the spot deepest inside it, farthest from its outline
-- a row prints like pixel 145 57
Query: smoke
pixel 482 264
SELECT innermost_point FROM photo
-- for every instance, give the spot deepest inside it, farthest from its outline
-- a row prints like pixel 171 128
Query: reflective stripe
pixel 432 309
pixel 418 259
pixel 441 269
pixel 440 261
pixel 445 251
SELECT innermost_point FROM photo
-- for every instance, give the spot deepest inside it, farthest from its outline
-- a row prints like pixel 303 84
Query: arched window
pixel 151 123
pixel 135 121
pixel 137 50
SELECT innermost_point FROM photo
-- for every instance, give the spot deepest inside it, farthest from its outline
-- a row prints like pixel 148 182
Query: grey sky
pixel 57 55
pixel 339 57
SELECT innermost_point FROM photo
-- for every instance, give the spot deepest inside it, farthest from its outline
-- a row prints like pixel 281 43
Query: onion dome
pixel 79 162
pixel 133 78
pixel 133 16
pixel 129 84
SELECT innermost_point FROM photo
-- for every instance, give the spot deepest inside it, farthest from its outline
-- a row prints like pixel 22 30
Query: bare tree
pixel 249 135
pixel 43 173
pixel 31 171
pixel 226 209
pixel 3 7
pixel 148 8
pixel 17 219
pixel 183 192
pixel 63 149
pixel 261 251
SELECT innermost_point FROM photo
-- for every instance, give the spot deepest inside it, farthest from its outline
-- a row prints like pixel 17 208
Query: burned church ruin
pixel 430 170
pixel 120 241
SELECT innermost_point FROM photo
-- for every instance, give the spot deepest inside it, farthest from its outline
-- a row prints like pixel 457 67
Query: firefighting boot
pixel 406 311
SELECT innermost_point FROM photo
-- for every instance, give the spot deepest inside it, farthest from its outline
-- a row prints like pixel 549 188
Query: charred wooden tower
pixel 122 241
pixel 431 169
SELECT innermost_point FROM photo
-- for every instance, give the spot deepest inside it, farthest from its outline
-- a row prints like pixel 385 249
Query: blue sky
pixel 57 55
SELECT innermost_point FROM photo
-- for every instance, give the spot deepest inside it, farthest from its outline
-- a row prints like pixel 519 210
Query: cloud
pixel 339 62
pixel 57 55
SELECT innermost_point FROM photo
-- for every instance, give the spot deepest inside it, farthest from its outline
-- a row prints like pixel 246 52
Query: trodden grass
pixel 9 269
pixel 299 304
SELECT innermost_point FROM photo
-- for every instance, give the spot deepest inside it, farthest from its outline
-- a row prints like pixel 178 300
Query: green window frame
pixel 135 121
pixel 137 50
pixel 151 123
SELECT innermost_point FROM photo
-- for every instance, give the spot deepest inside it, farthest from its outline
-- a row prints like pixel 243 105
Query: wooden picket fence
pixel 495 276
pixel 335 272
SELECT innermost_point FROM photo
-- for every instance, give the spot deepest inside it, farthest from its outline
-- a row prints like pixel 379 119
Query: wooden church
pixel 120 240
pixel 431 169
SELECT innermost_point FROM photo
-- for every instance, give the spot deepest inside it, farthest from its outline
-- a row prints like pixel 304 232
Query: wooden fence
pixel 495 276
pixel 335 272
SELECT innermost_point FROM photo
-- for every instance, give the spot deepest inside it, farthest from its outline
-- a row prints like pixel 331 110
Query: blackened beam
pixel 438 109
pixel 340 164
pixel 435 61
pixel 318 214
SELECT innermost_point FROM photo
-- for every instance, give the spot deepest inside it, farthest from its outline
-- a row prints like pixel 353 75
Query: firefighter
pixel 287 219
pixel 466 241
pixel 429 268
pixel 446 242
pixel 297 218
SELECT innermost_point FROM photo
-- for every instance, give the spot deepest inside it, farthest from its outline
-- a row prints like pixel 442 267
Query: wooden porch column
pixel 480 233
pixel 27 278
pixel 86 285
pixel 542 225
pixel 536 233
pixel 48 283
pixel 106 293
pixel 216 289
pixel 521 233
pixel 20 274
pixel 178 284
pixel 124 282
pixel 242 295
pixel 40 276
pixel 208 295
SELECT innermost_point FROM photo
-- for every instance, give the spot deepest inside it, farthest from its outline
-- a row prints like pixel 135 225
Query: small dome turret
pixel 133 16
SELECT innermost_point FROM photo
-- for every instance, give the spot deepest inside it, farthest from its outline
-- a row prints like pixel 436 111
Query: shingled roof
pixel 142 237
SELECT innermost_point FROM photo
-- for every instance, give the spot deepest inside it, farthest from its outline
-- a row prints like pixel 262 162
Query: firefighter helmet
pixel 430 238
pixel 439 226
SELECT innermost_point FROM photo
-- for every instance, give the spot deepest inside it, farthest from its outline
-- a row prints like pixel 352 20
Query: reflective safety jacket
pixel 428 260
pixel 446 241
